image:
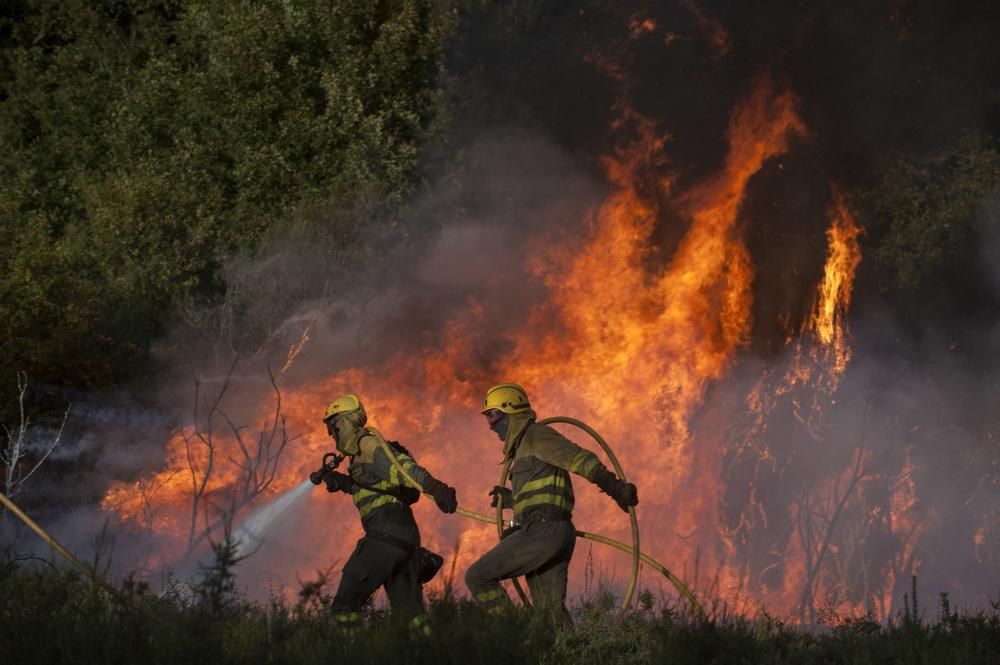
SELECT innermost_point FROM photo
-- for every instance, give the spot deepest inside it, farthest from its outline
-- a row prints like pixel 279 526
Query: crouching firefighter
pixel 540 539
pixel 389 554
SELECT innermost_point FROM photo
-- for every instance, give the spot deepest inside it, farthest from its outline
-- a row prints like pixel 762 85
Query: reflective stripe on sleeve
pixel 584 464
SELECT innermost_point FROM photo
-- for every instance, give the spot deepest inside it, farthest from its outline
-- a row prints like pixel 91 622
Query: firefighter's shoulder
pixel 545 435
pixel 367 445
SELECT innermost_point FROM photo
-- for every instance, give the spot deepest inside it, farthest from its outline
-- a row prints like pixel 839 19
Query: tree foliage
pixel 926 211
pixel 145 141
pixel 926 229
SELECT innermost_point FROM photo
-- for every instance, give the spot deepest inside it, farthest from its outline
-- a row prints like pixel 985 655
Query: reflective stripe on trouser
pixel 540 551
pixel 349 622
pixel 419 626
pixel 375 564
pixel 494 599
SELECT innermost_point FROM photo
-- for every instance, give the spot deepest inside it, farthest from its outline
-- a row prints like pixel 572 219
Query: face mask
pixel 500 427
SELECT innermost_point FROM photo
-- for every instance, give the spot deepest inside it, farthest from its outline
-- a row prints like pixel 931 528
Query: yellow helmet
pixel 344 404
pixel 507 397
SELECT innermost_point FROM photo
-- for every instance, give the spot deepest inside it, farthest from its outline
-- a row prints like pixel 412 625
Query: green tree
pixel 145 142
pixel 924 230
pixel 925 211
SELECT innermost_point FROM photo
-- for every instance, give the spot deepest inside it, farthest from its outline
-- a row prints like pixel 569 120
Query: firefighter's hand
pixel 445 498
pixel 337 482
pixel 503 496
pixel 443 495
pixel 625 495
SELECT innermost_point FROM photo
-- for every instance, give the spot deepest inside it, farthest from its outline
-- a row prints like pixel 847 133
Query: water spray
pixel 252 529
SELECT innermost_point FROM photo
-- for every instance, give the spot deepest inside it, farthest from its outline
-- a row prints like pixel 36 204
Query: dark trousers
pixel 375 564
pixel 540 551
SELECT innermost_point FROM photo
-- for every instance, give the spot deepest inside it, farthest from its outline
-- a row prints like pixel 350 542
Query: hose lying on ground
pixel 82 567
pixel 637 555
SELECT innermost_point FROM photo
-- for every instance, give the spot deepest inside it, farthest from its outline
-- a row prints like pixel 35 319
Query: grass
pixel 51 615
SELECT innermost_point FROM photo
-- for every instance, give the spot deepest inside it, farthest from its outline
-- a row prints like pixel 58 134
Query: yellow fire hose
pixel 82 567
pixel 656 565
pixel 634 550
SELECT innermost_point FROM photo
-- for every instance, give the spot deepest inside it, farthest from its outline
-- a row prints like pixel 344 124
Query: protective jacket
pixel 542 461
pixel 378 487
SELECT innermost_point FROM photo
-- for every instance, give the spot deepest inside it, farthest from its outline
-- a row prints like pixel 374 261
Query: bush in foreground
pixel 49 615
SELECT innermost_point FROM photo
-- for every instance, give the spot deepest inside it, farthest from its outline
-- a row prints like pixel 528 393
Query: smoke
pixel 469 244
pixel 872 84
pixel 518 193
pixel 890 476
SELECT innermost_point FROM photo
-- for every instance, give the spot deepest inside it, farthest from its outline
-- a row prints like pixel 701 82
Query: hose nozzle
pixel 330 462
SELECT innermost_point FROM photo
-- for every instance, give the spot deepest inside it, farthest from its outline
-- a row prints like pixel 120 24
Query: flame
pixel 713 30
pixel 823 351
pixel 834 298
pixel 639 26
pixel 906 526
pixel 626 340
pixel 790 557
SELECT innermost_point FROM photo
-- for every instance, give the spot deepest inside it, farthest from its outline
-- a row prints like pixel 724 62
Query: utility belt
pixel 389 539
pixel 428 562
pixel 544 513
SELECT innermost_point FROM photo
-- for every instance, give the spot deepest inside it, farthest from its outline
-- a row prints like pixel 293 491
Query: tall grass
pixel 51 615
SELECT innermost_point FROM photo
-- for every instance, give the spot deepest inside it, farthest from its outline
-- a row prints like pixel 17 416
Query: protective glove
pixel 502 495
pixel 625 495
pixel 338 482
pixel 443 495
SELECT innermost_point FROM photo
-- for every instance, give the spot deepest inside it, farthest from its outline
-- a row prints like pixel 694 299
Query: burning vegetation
pixel 626 281
pixel 763 506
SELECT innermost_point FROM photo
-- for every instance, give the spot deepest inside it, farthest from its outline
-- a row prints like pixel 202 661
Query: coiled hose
pixel 637 555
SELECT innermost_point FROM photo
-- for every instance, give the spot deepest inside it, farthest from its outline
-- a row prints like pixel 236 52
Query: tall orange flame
pixel 624 342
pixel 805 390
pixel 834 296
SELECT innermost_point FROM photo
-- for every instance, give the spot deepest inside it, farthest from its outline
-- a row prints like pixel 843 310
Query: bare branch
pixel 17 439
pixel 257 464
pixel 52 446
pixel 813 577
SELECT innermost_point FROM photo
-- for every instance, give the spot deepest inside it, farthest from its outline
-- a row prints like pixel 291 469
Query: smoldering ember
pixel 746 255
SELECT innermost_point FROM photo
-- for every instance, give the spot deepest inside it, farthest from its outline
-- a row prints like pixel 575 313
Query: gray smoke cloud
pixel 916 403
pixel 911 419
pixel 463 240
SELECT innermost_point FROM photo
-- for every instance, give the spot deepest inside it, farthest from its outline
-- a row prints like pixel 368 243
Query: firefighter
pixel 389 554
pixel 539 543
